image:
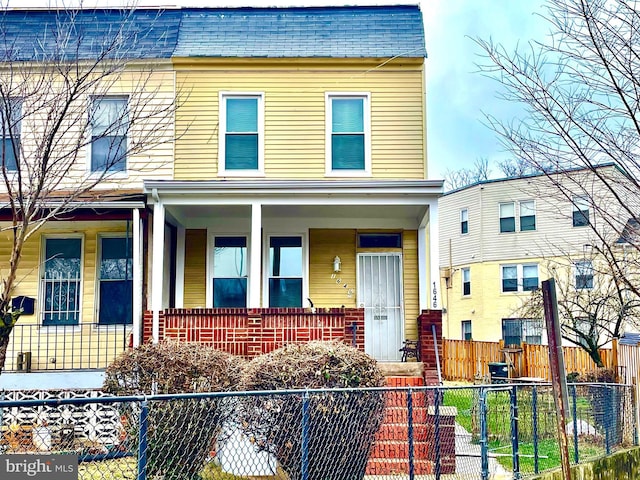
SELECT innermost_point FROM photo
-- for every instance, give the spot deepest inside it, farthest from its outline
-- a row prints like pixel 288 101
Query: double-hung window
pixel 527 216
pixel 466 281
pixel 519 278
pixel 509 278
pixel 580 211
pixel 115 276
pixel 347 123
pixel 466 329
pixel 60 280
pixel 464 221
pixel 241 134
pixel 10 115
pixel 230 272
pixel 507 217
pixel 285 271
pixel 529 277
pixel 109 120
pixel 584 275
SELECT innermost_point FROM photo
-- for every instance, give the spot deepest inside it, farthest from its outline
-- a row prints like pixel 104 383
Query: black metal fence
pixel 85 346
pixel 489 431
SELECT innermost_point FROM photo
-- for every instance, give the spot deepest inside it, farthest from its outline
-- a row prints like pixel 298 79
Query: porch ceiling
pixel 196 216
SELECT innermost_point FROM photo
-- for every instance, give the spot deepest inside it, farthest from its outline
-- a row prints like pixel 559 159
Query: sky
pixel 458 96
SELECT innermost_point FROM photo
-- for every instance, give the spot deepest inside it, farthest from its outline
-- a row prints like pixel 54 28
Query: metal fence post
pixel 534 407
pixel 606 416
pixel 410 432
pixel 484 446
pixel 305 437
pixel 514 432
pixel 437 433
pixel 142 441
pixel 574 408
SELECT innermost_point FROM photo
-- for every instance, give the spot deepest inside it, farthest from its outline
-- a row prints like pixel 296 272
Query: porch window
pixel 61 281
pixel 347 133
pixel 285 271
pixel 109 126
pixel 241 133
pixel 230 272
pixel 115 277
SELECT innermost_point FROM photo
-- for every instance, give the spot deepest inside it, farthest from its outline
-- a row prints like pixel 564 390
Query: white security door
pixel 380 294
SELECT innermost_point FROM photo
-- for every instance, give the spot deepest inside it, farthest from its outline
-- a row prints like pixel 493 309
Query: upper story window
pixel 466 281
pixel 464 221
pixel 507 217
pixel 241 134
pixel 584 275
pixel 580 211
pixel 519 278
pixel 527 215
pixel 109 121
pixel 348 136
pixel 11 134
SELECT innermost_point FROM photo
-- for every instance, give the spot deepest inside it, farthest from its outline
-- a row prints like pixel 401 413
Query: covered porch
pixel 300 248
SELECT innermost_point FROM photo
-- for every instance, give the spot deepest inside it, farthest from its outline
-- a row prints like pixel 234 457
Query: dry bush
pixel 341 425
pixel 172 367
pixel 181 433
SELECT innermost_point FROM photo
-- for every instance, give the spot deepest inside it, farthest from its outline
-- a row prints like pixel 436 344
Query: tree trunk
pixel 595 356
pixel 4 344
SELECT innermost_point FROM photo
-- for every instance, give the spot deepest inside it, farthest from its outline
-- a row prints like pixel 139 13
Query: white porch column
pixel 180 258
pixel 254 256
pixel 157 268
pixel 137 278
pixel 434 257
pixel 428 260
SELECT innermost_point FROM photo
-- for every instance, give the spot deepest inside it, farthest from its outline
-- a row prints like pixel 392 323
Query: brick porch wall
pixel 427 350
pixel 252 332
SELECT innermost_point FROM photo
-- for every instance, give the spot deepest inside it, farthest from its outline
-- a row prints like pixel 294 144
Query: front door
pixel 380 294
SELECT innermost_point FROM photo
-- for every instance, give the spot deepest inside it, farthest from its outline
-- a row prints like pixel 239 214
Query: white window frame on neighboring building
pixel 464 221
pixel 583 268
pixel 466 329
pixel 11 133
pixel 466 281
pixel 329 133
pixel 223 97
pixel 503 216
pixel 529 207
pixel 581 211
pixel 520 269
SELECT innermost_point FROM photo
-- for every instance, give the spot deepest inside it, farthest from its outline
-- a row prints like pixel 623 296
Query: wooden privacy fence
pixel 468 360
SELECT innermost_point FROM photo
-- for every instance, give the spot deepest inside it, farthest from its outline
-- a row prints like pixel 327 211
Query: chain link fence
pixel 489 431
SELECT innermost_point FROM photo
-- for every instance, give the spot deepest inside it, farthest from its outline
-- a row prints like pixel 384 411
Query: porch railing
pixel 85 346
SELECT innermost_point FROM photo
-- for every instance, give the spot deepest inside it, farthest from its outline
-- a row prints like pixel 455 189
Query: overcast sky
pixel 457 94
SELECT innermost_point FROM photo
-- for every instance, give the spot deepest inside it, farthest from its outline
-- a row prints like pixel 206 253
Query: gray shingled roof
pixel 338 32
pixel 318 32
pixel 43 35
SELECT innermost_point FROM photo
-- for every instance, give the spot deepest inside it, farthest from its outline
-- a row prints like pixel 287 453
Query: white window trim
pixel 519 276
pixel 576 202
pixel 462 220
pixel 222 131
pixel 515 216
pixel 535 215
pixel 96 300
pixel 266 239
pixel 211 238
pixel 107 175
pixel 329 172
pixel 462 270
pixel 40 302
pixel 575 275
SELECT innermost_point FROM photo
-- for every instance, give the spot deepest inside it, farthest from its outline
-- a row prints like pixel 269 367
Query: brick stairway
pixel 390 451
